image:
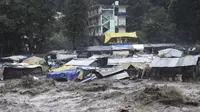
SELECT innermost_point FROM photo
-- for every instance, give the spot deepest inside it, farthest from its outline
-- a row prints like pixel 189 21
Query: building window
pixel 116 30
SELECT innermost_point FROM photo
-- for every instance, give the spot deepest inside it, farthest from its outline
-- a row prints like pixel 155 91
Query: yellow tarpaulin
pixel 81 75
pixel 34 61
pixel 108 36
pixel 65 67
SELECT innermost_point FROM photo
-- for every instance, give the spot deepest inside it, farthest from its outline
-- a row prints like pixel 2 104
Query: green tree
pixel 185 14
pixel 157 26
pixel 76 21
pixel 25 18
pixel 151 20
pixel 9 38
pixel 136 11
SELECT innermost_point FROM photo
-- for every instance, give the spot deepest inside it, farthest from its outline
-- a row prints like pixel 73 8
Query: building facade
pixel 106 18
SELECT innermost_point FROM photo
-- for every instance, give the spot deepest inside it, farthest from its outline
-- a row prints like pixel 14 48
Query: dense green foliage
pixel 186 15
pixel 31 23
pixel 25 22
pixel 75 21
pixel 165 20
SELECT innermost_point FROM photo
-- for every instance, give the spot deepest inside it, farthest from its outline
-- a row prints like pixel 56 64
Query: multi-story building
pixel 106 18
pixel 121 18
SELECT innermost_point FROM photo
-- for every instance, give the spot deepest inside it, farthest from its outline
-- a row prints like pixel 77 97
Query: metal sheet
pixel 60 52
pixel 15 58
pixel 188 61
pixel 170 53
pixel 119 76
pixel 99 56
pixel 139 47
pixel 164 62
pixel 109 71
pixel 122 47
pixel 129 60
pixel 81 62
pixel 121 53
pixel 99 48
pixel 158 45
pixel 65 56
pixel 175 62
pixel 149 56
pixel 88 68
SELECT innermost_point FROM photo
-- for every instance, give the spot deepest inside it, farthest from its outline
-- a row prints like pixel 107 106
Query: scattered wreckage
pixel 114 62
pixel 168 62
pixel 18 66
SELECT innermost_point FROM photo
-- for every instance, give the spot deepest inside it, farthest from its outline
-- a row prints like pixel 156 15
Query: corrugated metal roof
pixel 65 56
pixel 88 68
pixel 109 71
pixel 81 62
pixel 129 60
pixel 121 53
pixel 99 48
pixel 175 62
pixel 151 56
pixel 164 62
pixel 15 58
pixel 188 61
pixel 60 52
pixel 170 53
pixel 122 47
pixel 138 46
pixel 98 56
pixel 119 76
pixel 158 45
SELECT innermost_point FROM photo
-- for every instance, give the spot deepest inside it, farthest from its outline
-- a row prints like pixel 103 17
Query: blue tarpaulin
pixel 26 55
pixel 71 74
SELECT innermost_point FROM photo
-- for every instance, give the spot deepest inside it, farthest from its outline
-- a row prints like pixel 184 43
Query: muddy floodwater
pixel 28 95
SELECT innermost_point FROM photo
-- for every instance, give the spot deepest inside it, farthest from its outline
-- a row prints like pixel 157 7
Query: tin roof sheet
pixel 81 62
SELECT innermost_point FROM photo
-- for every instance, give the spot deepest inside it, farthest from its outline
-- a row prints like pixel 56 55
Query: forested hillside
pixel 165 20
pixel 32 24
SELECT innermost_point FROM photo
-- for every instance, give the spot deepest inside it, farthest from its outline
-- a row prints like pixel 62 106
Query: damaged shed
pixel 14 71
pixel 169 67
pixel 94 61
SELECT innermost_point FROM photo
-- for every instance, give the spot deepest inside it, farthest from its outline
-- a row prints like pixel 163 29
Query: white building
pixel 106 18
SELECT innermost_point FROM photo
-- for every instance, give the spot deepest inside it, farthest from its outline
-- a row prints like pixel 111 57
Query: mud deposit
pixel 28 95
